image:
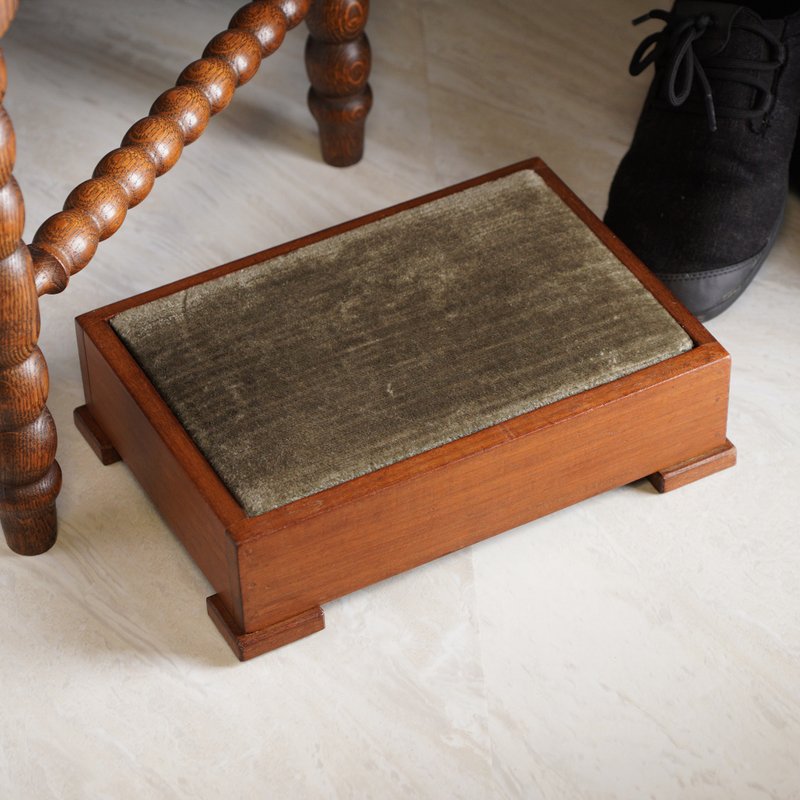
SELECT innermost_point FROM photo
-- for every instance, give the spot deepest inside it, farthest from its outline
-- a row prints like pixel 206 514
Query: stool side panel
pixel 516 481
pixel 163 476
pixel 284 564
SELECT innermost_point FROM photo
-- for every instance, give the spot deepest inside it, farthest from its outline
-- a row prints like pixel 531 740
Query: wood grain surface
pixel 693 469
pixel 669 622
pixel 280 566
pixel 30 478
pixel 338 61
pixel 66 242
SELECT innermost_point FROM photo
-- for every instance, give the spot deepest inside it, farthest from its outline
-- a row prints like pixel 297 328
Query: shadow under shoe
pixel 699 196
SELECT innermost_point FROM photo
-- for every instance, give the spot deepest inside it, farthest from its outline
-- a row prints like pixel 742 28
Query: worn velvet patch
pixel 353 353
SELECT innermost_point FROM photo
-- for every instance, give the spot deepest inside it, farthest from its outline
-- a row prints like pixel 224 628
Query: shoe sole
pixel 708 293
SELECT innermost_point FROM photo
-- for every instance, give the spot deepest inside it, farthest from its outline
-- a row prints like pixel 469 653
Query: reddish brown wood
pixel 159 452
pixel 338 61
pixel 271 637
pixel 95 436
pixel 162 140
pixel 692 469
pixel 105 200
pixel 133 167
pixel 265 21
pixel 332 545
pixel 215 78
pixel 284 564
pixel 67 241
pixel 8 10
pixel 29 477
pixel 239 48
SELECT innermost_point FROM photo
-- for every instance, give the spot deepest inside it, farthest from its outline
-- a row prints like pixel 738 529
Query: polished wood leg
pixel 665 480
pixel 29 476
pixel 338 61
pixel 66 242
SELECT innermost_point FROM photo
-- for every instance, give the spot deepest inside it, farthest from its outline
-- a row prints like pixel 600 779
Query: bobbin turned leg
pixel 338 62
pixel 29 477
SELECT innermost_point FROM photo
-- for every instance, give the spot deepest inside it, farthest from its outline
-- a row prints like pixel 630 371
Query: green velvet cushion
pixel 316 367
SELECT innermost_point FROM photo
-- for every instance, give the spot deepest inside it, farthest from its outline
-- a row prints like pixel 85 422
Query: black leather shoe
pixel 699 196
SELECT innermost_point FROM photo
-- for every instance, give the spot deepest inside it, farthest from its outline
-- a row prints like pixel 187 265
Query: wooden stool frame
pixel 338 64
pixel 273 572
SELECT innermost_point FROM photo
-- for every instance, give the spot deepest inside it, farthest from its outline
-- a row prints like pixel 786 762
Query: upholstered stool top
pixel 355 352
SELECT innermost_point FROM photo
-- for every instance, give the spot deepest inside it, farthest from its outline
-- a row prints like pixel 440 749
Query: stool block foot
pixel 255 643
pixel 665 480
pixel 95 436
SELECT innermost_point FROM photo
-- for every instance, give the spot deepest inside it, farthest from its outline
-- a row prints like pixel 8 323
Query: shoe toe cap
pixel 708 293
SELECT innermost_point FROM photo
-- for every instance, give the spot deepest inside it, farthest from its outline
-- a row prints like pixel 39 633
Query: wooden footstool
pixel 325 414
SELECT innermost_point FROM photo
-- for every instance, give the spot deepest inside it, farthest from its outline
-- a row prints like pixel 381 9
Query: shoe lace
pixel 673 47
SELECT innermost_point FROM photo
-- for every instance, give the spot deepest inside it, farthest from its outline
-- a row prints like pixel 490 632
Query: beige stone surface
pixel 634 646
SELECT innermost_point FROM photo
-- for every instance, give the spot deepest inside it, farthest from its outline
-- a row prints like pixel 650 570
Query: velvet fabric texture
pixel 353 353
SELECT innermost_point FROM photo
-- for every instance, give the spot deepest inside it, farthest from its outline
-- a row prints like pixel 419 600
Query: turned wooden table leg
pixel 338 62
pixel 29 476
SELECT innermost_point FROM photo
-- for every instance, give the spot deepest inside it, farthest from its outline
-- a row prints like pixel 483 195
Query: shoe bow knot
pixel 673 49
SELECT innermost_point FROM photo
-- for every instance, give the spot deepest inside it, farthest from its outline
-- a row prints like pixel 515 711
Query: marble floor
pixel 634 646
